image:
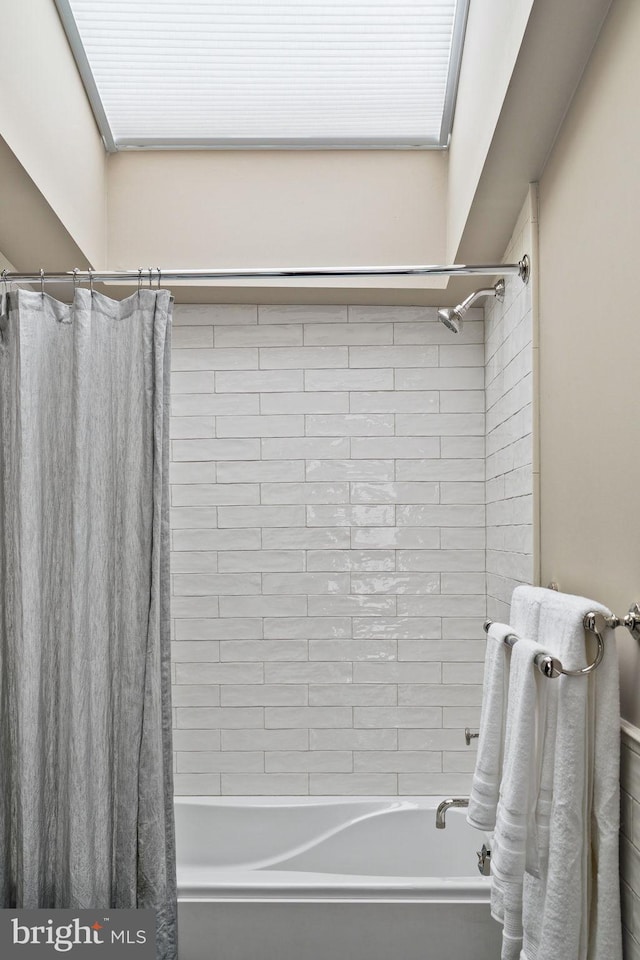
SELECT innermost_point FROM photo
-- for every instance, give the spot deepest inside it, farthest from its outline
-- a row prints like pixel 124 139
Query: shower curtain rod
pixel 157 274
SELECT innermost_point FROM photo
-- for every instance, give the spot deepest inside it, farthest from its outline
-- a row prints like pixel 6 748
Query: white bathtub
pixel 309 878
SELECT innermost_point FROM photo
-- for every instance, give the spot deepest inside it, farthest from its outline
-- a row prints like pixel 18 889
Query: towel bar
pixel 551 666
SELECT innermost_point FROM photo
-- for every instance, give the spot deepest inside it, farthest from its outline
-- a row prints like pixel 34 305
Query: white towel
pixel 514 819
pixel 524 616
pixel 483 799
pixel 526 604
pixel 605 930
pixel 571 903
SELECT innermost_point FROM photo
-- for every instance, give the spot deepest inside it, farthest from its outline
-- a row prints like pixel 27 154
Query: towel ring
pixel 591 622
pixel 551 666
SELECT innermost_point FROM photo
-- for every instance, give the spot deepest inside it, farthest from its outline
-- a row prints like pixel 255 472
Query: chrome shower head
pixel 452 317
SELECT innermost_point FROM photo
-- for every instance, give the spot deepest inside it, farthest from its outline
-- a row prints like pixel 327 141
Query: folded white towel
pixel 483 799
pixel 571 902
pixel 514 819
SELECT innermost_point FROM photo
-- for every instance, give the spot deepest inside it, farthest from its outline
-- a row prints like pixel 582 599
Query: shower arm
pixel 471 299
pixel 155 275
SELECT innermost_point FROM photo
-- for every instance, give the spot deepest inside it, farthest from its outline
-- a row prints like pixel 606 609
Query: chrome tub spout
pixel 441 812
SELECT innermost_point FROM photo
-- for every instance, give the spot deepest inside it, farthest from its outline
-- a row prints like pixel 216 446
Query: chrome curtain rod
pixel 156 275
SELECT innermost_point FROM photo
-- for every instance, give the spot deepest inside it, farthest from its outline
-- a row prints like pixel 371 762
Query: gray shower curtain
pixel 86 812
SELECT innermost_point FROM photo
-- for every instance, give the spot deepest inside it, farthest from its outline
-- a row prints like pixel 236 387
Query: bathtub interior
pixel 374 838
pixel 418 850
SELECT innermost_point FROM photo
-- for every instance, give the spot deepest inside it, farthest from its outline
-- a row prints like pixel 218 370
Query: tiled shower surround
pixel 511 471
pixel 328 549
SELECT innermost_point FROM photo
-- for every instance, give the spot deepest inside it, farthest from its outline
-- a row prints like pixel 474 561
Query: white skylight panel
pixel 290 73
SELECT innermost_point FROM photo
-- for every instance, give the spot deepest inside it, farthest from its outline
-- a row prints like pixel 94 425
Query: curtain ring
pixel 75 272
pixel 139 279
pixel 158 277
pixel 4 281
pixel 91 281
pixel 42 281
pixel 150 276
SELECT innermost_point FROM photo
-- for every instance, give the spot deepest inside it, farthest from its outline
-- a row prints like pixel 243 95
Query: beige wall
pixel 278 208
pixel 46 122
pixel 590 339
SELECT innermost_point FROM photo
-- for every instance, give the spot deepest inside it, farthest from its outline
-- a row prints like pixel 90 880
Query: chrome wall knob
pixel 632 620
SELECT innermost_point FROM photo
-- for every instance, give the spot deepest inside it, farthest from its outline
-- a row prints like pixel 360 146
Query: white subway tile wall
pixel 328 549
pixel 509 441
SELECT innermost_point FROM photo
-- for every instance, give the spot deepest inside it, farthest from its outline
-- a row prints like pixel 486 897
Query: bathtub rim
pixel 425 801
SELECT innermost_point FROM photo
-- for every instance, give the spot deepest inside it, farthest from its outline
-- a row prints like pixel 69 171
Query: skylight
pixel 255 73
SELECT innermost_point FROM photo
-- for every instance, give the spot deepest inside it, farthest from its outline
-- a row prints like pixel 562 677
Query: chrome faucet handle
pixel 484 861
pixel 469 736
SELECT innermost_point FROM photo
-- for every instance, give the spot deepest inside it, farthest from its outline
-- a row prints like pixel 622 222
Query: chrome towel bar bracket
pixel 631 620
pixel 595 623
